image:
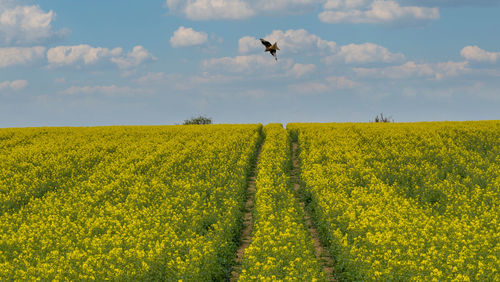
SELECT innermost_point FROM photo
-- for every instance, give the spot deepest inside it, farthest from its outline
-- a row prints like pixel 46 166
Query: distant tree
pixel 198 120
pixel 382 118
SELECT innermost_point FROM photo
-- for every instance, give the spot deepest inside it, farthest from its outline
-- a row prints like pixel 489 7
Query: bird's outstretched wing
pixel 266 43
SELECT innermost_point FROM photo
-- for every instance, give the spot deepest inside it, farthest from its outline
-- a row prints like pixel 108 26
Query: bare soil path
pixel 246 232
pixel 320 250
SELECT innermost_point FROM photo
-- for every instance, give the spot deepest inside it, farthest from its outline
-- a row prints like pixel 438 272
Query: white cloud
pixel 451 3
pixel 247 64
pixel 187 37
pixel 310 87
pixel 152 77
pixel 354 11
pixel 330 83
pixel 374 11
pixel 364 53
pixel 88 55
pixel 412 69
pixel 294 41
pixel 302 42
pixel 15 85
pixel 111 90
pixel 134 58
pixel 211 9
pixel 218 9
pixel 22 24
pixel 283 6
pixel 171 81
pixel 474 53
pixel 449 69
pixel 248 43
pixel 341 82
pixel 396 72
pixel 237 9
pixel 345 4
pixel 207 78
pixel 185 82
pixel 20 56
pixel 299 70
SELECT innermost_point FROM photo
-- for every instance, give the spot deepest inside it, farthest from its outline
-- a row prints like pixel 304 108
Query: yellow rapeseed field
pixel 415 201
pixel 398 201
pixel 281 248
pixel 122 203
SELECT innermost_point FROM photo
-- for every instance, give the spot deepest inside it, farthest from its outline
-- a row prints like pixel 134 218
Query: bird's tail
pixel 275 46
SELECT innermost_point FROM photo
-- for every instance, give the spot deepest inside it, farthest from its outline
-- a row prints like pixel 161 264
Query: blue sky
pixel 87 63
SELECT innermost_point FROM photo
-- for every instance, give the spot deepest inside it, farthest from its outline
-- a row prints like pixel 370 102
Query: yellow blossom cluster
pixel 122 203
pixel 406 202
pixel 281 247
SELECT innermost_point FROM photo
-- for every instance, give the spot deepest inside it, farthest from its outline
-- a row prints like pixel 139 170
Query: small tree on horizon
pixel 382 118
pixel 198 120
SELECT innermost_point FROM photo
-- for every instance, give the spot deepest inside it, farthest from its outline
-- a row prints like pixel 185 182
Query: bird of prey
pixel 270 48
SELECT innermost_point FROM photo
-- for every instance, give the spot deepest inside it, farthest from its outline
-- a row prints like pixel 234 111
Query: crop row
pixel 392 202
pixel 36 161
pixel 122 203
pixel 281 247
pixel 406 201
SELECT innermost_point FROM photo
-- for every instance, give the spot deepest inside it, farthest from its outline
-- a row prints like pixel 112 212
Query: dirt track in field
pixel 246 232
pixel 320 250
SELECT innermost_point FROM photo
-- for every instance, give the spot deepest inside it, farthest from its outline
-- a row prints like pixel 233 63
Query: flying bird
pixel 270 48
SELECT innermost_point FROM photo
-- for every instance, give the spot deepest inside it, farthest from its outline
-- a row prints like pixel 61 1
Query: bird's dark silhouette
pixel 270 48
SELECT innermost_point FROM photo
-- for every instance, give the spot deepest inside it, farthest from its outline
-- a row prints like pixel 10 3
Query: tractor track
pixel 246 232
pixel 321 252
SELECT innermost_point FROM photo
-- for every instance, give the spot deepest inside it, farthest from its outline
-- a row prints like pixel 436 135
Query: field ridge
pixel 320 251
pixel 246 231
